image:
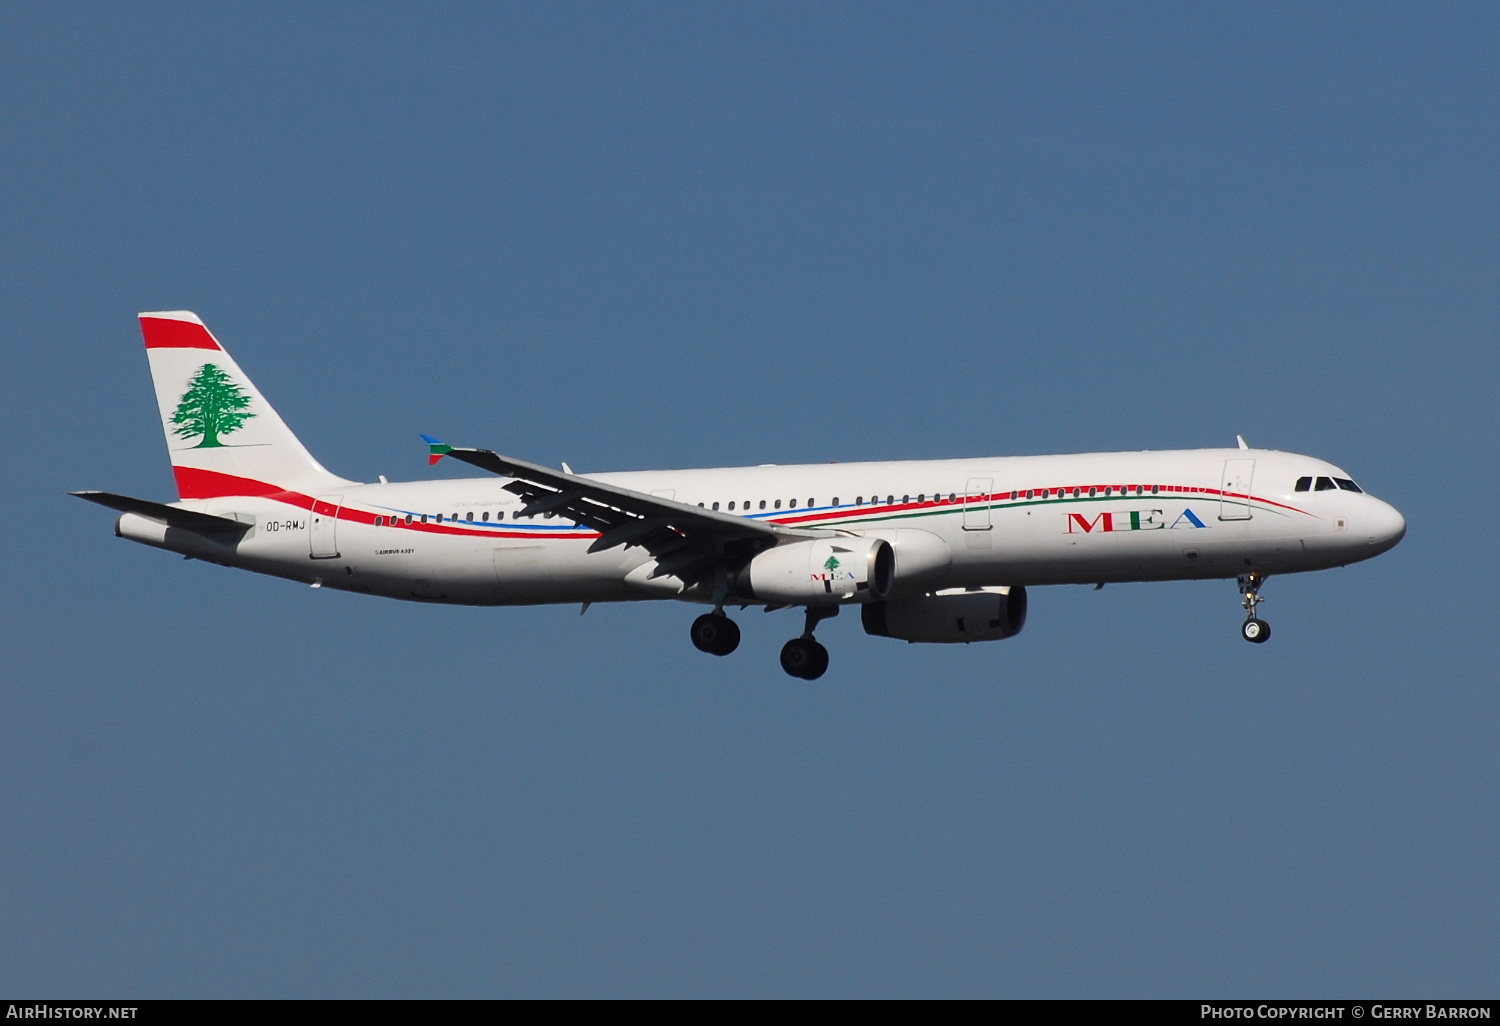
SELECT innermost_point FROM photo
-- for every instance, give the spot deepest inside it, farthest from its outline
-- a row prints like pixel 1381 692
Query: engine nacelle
pixel 822 571
pixel 922 558
pixel 954 615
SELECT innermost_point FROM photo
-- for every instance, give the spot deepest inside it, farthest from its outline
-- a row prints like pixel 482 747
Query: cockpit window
pixel 1347 485
pixel 1325 484
pixel 1304 484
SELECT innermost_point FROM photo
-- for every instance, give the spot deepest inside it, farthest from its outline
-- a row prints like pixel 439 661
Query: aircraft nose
pixel 1386 525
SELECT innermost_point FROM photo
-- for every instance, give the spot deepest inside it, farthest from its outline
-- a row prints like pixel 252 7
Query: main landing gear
pixel 1253 629
pixel 802 657
pixel 715 634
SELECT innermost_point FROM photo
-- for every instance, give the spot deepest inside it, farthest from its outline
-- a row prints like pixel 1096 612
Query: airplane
pixel 935 551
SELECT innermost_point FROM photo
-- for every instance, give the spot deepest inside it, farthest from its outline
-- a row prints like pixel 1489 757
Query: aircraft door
pixel 977 503
pixel 1234 490
pixel 323 527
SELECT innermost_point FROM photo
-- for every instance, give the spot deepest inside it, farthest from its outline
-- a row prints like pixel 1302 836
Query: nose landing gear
pixel 1253 629
pixel 804 657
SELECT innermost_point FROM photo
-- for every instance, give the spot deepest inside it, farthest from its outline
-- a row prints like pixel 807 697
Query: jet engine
pixel 922 558
pixel 949 616
pixel 821 572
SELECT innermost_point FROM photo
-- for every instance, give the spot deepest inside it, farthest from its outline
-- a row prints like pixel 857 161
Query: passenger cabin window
pixel 1347 485
pixel 716 505
pixel 1325 484
pixel 835 500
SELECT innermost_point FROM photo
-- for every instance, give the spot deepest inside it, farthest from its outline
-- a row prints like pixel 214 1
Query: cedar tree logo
pixel 213 405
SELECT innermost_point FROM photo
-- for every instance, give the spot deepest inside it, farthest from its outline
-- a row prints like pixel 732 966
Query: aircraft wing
pixel 688 542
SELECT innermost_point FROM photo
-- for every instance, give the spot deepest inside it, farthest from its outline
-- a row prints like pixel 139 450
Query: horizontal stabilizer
pixel 172 516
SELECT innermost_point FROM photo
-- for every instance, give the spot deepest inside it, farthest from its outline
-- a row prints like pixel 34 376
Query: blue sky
pixel 633 236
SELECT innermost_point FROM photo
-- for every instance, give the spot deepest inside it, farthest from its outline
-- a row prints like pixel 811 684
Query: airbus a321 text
pixel 931 551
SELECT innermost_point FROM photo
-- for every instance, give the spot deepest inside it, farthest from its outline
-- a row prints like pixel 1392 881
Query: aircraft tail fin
pixel 222 435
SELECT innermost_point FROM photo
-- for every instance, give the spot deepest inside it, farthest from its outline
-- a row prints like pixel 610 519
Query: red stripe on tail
pixel 193 483
pixel 162 333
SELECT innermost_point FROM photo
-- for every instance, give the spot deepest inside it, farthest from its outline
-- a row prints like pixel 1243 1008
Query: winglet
pixel 435 450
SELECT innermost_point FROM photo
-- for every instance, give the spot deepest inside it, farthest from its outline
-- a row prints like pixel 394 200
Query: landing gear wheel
pixel 1254 628
pixel 804 658
pixel 715 634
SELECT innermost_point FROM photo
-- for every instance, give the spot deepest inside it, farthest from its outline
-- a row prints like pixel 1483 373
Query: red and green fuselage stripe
pixel 194 483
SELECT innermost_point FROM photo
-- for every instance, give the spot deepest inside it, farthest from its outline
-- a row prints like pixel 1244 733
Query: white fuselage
pixel 1027 520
